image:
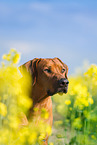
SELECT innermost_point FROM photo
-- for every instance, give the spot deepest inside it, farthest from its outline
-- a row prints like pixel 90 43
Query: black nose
pixel 63 82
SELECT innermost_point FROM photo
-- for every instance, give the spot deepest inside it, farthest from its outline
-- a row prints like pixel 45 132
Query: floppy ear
pixel 30 67
pixel 63 65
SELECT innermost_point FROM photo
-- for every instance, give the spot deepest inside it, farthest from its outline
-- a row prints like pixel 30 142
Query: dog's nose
pixel 63 82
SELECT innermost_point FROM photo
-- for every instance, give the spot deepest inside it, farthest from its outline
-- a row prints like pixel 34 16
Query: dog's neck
pixel 41 100
pixel 38 94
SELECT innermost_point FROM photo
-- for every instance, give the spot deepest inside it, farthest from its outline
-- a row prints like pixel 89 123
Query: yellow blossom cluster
pixel 12 56
pixel 79 108
pixel 79 90
pixel 67 102
pixel 92 71
pixel 15 103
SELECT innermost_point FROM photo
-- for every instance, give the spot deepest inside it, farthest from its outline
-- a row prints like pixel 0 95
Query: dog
pixel 49 76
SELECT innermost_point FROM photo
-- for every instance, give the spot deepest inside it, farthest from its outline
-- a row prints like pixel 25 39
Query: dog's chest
pixel 47 104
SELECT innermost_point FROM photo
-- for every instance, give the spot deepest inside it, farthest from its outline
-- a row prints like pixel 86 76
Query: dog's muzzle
pixel 63 85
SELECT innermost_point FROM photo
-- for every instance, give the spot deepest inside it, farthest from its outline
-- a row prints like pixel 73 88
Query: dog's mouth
pixel 62 90
pixel 59 90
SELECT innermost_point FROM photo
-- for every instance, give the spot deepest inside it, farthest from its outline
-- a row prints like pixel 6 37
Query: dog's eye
pixel 63 70
pixel 47 70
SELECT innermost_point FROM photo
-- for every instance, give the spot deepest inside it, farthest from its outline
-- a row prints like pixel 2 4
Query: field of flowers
pixel 75 122
pixel 75 113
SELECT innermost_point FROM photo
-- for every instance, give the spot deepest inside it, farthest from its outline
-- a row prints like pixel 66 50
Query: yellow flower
pixel 12 56
pixel 93 137
pixel 44 113
pixel 32 138
pixel 22 134
pixel 67 102
pixel 25 101
pixel 42 136
pixel 3 109
pixel 91 71
pixel 8 57
pixel 51 143
pixel 85 103
pixel 13 121
pixel 95 69
pixel 48 130
pixel 16 58
pixel 4 56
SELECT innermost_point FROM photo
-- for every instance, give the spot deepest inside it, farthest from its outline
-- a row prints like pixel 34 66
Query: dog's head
pixel 49 74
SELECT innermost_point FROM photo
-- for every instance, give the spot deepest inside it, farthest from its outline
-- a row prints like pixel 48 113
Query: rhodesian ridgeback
pixel 49 77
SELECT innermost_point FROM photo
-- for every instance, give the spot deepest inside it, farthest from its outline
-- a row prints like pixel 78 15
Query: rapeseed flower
pixel 33 137
pixel 67 102
pixel 16 58
pixel 3 109
pixel 93 137
pixel 44 113
pixel 12 56
pixel 48 130
pixel 51 143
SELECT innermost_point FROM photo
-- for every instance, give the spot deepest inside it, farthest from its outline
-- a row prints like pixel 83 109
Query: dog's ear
pixel 63 65
pixel 30 67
